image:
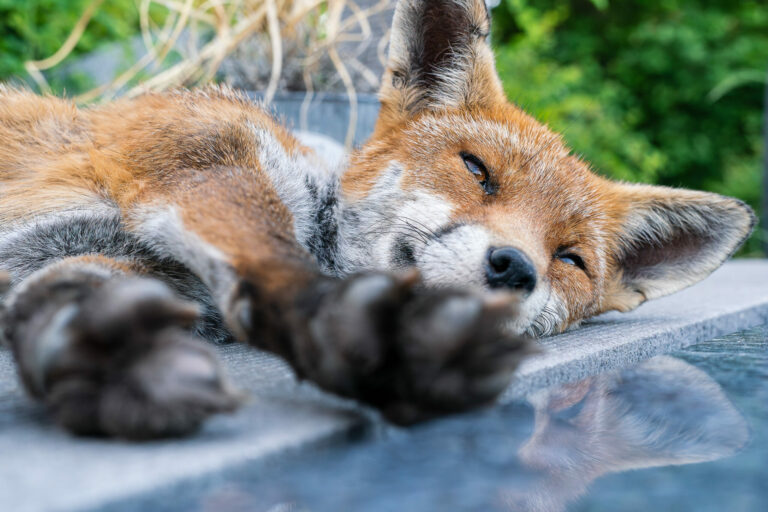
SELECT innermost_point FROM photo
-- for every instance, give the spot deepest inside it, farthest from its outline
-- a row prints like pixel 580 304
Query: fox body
pixel 113 218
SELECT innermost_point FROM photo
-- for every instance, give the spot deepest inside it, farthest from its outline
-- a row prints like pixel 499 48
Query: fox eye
pixel 570 258
pixel 479 170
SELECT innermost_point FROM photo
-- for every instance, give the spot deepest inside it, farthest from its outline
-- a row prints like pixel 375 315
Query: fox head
pixel 466 187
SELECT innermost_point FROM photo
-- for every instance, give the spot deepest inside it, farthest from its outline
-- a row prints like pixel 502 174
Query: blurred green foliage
pixel 658 91
pixel 35 29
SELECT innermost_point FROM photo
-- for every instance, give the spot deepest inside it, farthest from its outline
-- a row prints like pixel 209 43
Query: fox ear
pixel 439 57
pixel 669 239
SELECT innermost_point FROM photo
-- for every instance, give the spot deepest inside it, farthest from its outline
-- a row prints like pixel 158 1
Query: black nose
pixel 510 268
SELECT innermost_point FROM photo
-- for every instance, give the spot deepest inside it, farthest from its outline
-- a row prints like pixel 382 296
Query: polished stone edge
pixel 735 297
pixel 604 358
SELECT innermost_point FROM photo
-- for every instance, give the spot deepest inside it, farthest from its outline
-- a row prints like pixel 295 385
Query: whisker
pixel 415 229
pixel 424 228
pixel 408 234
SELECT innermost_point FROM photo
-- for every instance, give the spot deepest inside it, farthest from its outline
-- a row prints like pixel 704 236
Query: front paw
pixel 413 353
pixel 127 366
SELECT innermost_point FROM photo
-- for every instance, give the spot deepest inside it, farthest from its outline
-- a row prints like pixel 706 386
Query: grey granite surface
pixel 42 468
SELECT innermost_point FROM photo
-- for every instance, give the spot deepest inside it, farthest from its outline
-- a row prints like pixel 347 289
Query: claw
pixel 501 302
pixel 407 278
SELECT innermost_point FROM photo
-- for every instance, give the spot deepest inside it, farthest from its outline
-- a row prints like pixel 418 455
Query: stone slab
pixel 42 468
pixel 735 297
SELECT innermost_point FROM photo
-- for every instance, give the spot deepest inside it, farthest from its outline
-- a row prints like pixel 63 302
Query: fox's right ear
pixel 439 58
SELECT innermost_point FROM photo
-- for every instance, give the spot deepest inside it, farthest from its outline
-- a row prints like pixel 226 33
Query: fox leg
pixel 110 352
pixel 378 338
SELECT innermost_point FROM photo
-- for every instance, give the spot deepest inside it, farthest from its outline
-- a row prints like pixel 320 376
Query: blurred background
pixel 659 91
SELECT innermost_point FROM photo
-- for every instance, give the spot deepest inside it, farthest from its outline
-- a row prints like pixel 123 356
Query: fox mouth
pixel 542 313
pixel 550 319
pixel 538 326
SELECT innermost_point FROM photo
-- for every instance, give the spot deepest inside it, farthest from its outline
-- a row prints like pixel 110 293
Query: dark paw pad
pixel 457 354
pixel 129 368
pixel 411 352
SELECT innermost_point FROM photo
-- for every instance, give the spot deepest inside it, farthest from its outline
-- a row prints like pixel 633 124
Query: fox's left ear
pixel 669 239
pixel 439 57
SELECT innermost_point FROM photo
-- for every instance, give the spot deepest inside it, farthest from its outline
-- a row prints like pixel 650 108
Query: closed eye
pixel 479 170
pixel 571 258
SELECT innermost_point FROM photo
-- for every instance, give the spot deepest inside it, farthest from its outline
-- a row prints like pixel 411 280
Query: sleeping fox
pixel 409 280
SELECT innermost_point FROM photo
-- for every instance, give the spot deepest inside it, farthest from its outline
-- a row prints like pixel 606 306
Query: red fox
pixel 409 280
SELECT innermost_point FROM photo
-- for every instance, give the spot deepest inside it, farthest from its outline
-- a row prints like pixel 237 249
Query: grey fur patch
pixel 34 245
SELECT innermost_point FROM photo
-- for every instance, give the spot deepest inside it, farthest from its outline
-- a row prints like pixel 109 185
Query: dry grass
pixel 213 29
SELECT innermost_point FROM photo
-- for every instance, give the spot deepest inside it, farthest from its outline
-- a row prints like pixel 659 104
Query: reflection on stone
pixel 661 412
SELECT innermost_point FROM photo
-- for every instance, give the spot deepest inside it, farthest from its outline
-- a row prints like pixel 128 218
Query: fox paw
pixel 123 363
pixel 413 353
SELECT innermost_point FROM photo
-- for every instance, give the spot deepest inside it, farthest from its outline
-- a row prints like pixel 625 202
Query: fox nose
pixel 510 268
